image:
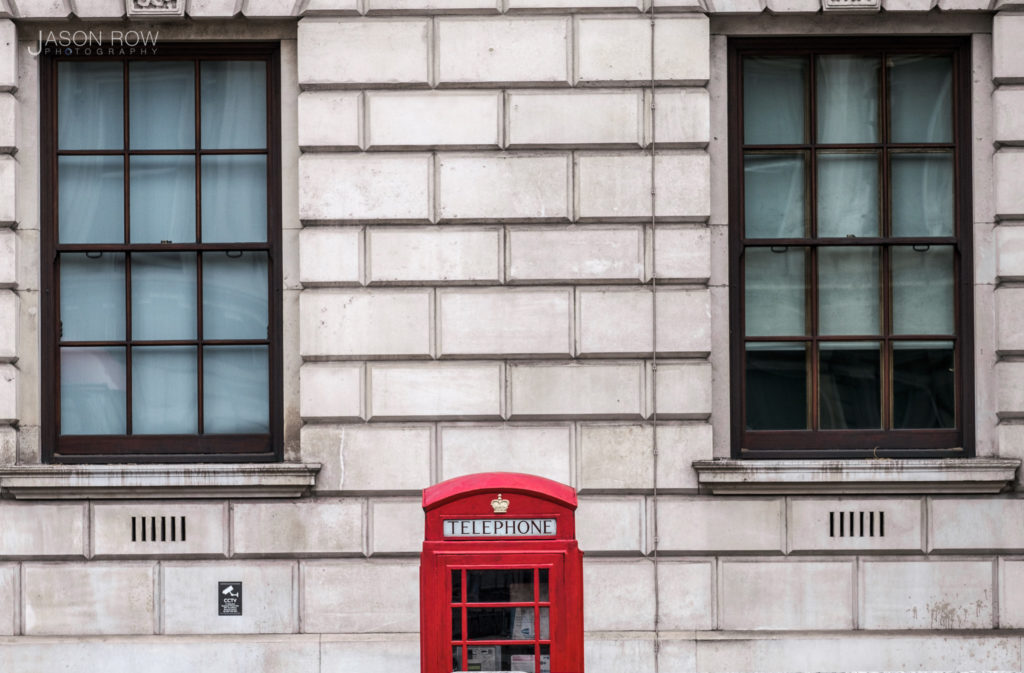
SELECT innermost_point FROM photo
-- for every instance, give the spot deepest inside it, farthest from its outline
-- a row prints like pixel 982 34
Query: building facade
pixel 748 275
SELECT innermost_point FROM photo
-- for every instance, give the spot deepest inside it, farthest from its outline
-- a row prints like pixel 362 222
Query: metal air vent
pixel 856 524
pixel 158 529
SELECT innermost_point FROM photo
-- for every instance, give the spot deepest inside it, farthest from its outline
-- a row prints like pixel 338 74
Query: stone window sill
pixel 249 480
pixel 855 477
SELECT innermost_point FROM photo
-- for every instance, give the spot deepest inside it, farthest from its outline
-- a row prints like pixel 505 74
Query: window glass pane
pixel 775 196
pixel 848 290
pixel 499 623
pixel 777 385
pixel 543 584
pixel 501 658
pixel 92 296
pixel 92 391
pixel 164 390
pixel 922 289
pixel 922 194
pixel 923 387
pixel 847 98
pixel 774 293
pixel 850 393
pixel 520 658
pixel 234 104
pixel 90 105
pixel 236 384
pixel 848 195
pixel 162 105
pixel 91 199
pixel 456 586
pixel 234 198
pixel 456 623
pixel 774 100
pixel 235 295
pixel 499 586
pixel 163 199
pixel 163 295
pixel 921 98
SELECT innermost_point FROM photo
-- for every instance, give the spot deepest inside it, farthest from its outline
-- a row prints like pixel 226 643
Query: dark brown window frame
pixel 957 442
pixel 210 448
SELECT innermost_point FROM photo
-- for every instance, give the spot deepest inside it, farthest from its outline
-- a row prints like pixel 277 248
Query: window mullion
pixel 126 168
pixel 812 210
pixel 199 239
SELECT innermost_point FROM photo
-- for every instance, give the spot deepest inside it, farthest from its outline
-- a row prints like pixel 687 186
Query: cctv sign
pixel 229 599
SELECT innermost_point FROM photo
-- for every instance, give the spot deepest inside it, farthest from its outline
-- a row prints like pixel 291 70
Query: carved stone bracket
pixel 155 8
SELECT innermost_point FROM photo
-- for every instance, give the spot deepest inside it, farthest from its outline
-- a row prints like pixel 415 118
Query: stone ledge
pixel 67 482
pixel 848 477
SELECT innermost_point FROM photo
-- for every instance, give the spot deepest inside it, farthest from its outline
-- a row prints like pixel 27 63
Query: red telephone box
pixel 501 576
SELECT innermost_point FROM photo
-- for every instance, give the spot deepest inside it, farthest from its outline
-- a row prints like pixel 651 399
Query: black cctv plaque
pixel 229 599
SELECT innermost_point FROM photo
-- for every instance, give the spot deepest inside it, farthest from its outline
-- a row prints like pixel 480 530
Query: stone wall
pixel 469 247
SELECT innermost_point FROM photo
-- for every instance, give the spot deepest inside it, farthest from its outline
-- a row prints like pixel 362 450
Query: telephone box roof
pixel 498 482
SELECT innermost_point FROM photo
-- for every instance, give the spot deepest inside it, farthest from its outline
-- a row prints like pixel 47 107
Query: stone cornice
pixel 249 480
pixel 842 477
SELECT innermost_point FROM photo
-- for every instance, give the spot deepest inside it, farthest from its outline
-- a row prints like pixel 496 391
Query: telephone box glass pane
pixel 499 623
pixel 544 584
pixel 499 586
pixel 518 658
pixel 545 659
pixel 545 623
pixel 502 658
pixel 456 586
pixel 456 624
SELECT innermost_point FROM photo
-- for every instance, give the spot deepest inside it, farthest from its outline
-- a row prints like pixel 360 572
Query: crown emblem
pixel 499 504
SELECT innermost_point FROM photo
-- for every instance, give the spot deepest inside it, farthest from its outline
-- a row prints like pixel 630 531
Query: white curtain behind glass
pixel 773 100
pixel 847 99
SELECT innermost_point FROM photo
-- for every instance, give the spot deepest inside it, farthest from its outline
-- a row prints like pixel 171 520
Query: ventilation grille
pixel 856 524
pixel 158 529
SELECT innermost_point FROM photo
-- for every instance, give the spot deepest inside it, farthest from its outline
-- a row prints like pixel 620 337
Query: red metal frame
pixel 470 498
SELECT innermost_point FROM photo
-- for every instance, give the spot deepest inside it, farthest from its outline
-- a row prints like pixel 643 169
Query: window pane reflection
pixel 92 296
pixel 775 301
pixel 162 105
pixel 235 295
pixel 850 394
pixel 91 199
pixel 90 108
pixel 234 198
pixel 922 289
pixel 848 195
pixel 775 196
pixel 776 390
pixel 921 92
pixel 236 397
pixel 922 194
pixel 847 98
pixel 924 391
pixel 848 290
pixel 234 104
pixel 165 390
pixel 774 100
pixel 163 199
pixel 92 391
pixel 163 295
